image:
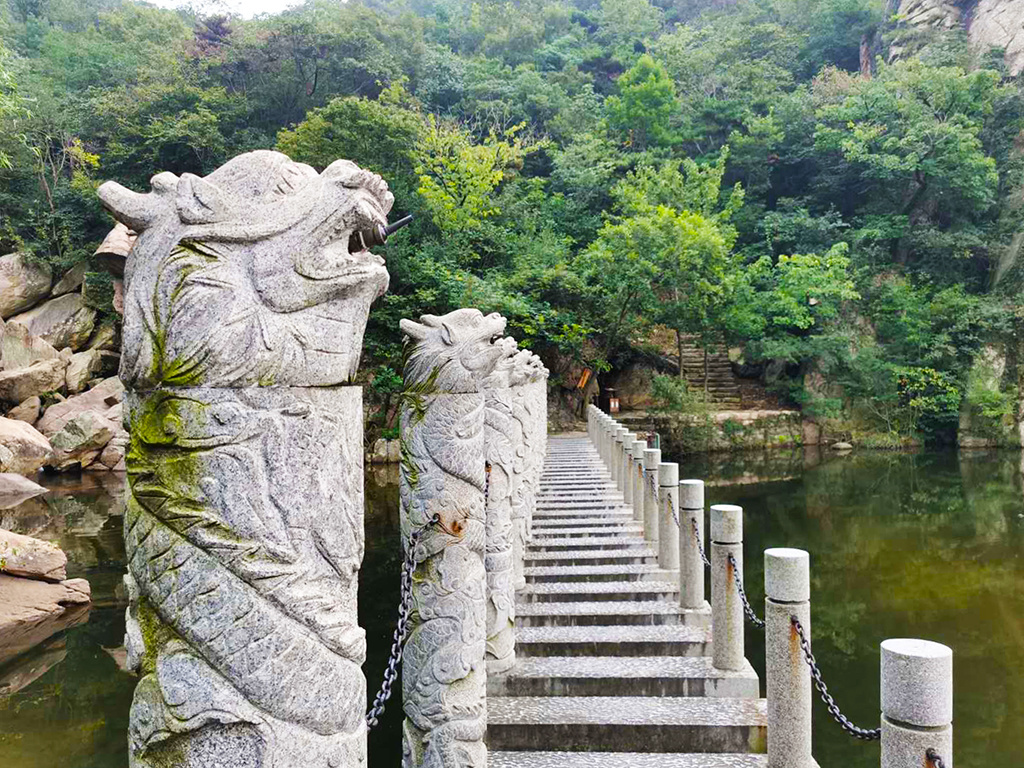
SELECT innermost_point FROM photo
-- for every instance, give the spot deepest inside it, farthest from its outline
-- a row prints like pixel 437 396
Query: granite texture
pixel 243 553
pixel 443 474
pixel 667 480
pixel 652 458
pixel 787 575
pixel 917 682
pixel 726 524
pixel 623 760
pixel 246 277
pixel 726 607
pixel 787 686
pixel 540 532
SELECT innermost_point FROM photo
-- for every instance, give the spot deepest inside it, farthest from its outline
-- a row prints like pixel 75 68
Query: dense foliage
pixel 590 168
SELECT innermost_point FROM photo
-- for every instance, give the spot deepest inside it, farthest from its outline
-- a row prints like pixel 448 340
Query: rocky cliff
pixel 988 23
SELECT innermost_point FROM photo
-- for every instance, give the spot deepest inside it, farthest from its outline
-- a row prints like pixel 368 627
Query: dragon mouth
pixel 338 256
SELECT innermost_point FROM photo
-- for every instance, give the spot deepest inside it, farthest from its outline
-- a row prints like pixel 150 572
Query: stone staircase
pixel 723 386
pixel 610 671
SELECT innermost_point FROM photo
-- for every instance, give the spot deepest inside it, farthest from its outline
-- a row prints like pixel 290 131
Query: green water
pixel 930 545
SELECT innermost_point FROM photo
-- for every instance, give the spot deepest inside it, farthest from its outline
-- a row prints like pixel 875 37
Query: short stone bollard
pixel 726 605
pixel 636 474
pixel 618 449
pixel 787 587
pixel 628 472
pixel 668 514
pixel 652 458
pixel 691 565
pixel 917 704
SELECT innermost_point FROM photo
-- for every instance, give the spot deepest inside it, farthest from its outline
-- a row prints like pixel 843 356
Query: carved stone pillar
pixel 443 474
pixel 244 311
pixel 503 435
pixel 523 495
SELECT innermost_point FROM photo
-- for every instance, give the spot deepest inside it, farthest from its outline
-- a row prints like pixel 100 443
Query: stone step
pixel 622 640
pixel 608 502
pixel 613 529
pixel 626 724
pixel 555 544
pixel 623 676
pixel 622 760
pixel 597 573
pixel 634 556
pixel 609 612
pixel 547 524
pixel 596 591
pixel 611 512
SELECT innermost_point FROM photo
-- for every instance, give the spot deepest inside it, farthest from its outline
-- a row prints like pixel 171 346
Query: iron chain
pixel 833 708
pixel 402 628
pixel 697 541
pixel 747 609
pixel 934 759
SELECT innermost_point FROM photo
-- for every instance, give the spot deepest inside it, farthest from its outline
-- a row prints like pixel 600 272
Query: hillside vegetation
pixel 762 172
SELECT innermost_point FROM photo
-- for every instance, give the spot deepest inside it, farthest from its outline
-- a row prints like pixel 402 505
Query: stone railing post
pixel 668 531
pixel 626 470
pixel 603 428
pixel 503 435
pixel 442 494
pixel 652 458
pixel 726 606
pixel 917 703
pixel 787 588
pixel 691 566
pixel 618 456
pixel 243 521
pixel 636 474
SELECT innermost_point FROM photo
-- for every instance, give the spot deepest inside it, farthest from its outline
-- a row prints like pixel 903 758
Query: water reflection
pixel 926 545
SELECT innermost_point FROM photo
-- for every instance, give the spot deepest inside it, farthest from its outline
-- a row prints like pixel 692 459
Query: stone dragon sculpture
pixel 244 511
pixel 443 474
pixel 254 257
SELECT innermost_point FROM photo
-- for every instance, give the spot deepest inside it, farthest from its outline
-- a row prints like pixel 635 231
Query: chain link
pixel 697 541
pixel 833 708
pixel 934 758
pixel 402 628
pixel 747 609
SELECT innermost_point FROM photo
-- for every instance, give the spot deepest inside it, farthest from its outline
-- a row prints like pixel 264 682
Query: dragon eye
pixel 495 338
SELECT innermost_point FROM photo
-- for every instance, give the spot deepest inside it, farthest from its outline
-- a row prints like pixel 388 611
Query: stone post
pixel 726 607
pixel 691 566
pixel 602 438
pixel 523 487
pixel 652 458
pixel 618 454
pixel 503 435
pixel 636 474
pixel 668 530
pixel 443 475
pixel 917 703
pixel 628 468
pixel 243 523
pixel 787 588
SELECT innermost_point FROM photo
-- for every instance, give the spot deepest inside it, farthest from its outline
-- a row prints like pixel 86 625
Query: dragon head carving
pixel 457 352
pixel 247 276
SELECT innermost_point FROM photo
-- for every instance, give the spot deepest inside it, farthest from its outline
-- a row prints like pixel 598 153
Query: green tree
pixel 642 112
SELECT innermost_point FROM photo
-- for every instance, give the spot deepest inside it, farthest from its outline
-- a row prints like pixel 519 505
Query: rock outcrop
pixel 23 450
pixel 65 321
pixel 32 558
pixel 23 284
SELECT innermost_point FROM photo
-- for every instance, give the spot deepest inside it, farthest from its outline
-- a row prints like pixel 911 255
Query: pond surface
pixel 926 545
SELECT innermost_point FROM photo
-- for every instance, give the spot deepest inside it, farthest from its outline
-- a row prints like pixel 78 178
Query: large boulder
pixel 80 441
pixel 19 348
pixel 31 558
pixel 82 367
pixel 72 280
pixel 26 410
pixel 31 611
pixel 23 450
pixel 64 322
pixel 16 489
pixel 112 455
pixel 22 383
pixel 100 398
pixel 22 284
